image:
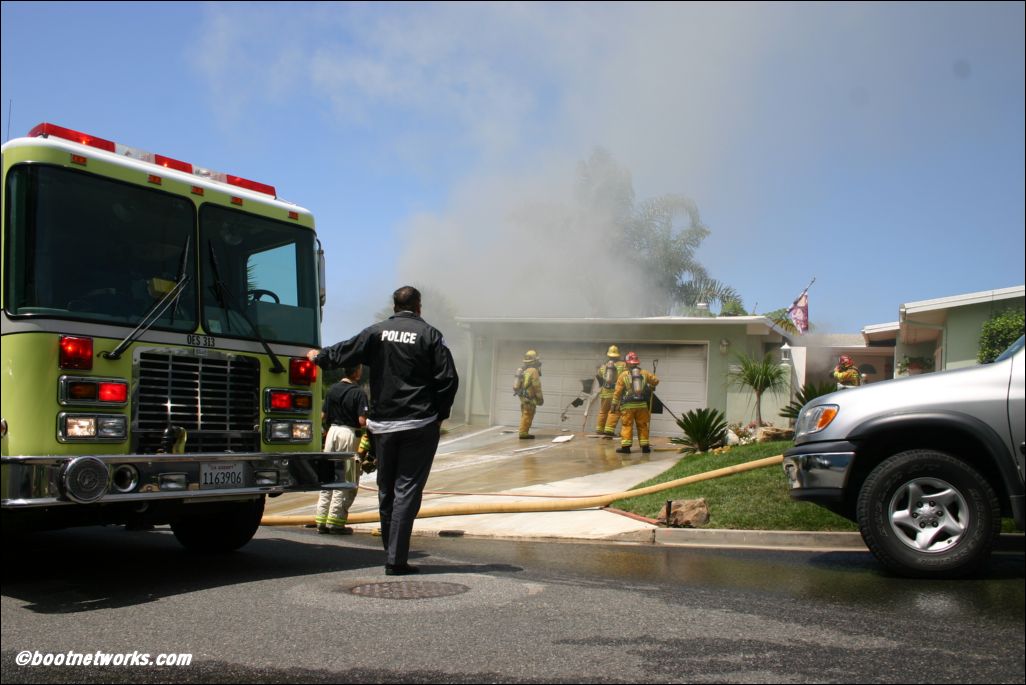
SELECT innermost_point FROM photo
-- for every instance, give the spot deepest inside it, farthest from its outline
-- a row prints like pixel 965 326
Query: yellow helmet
pixel 531 356
pixel 614 352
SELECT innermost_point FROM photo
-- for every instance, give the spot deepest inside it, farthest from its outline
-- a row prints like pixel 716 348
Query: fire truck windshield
pixel 258 272
pixel 84 247
pixel 88 248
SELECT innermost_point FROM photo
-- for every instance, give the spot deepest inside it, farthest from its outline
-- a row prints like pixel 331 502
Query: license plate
pixel 220 475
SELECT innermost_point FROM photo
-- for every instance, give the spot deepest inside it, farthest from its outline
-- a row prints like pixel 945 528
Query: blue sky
pixel 877 147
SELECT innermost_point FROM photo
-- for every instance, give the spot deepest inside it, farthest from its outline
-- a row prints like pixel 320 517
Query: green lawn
pixel 753 500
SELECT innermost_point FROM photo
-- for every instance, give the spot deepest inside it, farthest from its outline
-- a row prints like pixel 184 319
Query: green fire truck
pixel 155 319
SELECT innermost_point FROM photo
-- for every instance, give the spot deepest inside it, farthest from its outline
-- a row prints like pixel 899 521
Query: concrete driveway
pixel 478 465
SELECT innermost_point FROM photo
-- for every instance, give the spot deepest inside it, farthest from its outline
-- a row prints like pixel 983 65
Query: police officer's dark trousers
pixel 404 462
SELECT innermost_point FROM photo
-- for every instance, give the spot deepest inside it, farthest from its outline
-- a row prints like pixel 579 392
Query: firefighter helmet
pixel 632 358
pixel 530 357
pixel 614 352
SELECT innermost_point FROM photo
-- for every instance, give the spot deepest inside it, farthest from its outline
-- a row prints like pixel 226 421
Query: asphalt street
pixel 293 606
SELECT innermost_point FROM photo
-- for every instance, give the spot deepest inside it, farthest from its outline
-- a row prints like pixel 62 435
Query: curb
pixel 723 538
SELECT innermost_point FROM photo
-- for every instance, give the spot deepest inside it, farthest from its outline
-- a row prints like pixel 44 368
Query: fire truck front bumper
pixel 30 481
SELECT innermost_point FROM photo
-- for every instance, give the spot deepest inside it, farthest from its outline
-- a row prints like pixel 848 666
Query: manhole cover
pixel 407 589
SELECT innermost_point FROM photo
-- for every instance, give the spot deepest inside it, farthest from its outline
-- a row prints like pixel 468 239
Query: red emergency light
pixel 302 371
pixel 76 352
pixel 47 129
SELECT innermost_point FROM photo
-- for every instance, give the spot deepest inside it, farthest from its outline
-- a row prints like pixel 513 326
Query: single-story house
pixel 691 356
pixel 943 332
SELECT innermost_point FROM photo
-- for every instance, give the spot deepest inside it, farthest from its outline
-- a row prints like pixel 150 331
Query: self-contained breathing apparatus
pixel 609 375
pixel 639 389
pixel 519 386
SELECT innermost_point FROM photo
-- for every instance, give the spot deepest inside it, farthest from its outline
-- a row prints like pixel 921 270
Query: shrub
pixel 703 430
pixel 1000 331
pixel 808 392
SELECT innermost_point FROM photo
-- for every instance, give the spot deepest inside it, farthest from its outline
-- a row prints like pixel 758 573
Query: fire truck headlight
pixel 80 427
pixel 111 427
pixel 302 431
pixel 279 430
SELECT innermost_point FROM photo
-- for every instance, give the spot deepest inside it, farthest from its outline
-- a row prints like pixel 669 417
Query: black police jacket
pixel 412 374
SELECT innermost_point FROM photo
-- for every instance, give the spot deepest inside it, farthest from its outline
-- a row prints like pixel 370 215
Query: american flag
pixel 799 312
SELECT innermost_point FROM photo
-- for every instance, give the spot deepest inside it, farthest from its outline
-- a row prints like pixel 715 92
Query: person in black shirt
pixel 345 414
pixel 413 385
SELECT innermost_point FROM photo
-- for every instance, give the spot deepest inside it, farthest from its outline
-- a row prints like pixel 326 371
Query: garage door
pixel 681 370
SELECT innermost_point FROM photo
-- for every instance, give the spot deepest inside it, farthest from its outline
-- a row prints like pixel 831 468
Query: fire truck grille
pixel 215 397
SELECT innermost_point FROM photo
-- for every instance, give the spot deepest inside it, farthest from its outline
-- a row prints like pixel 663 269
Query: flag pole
pixel 804 291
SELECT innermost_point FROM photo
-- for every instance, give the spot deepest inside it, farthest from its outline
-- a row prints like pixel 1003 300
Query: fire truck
pixel 155 319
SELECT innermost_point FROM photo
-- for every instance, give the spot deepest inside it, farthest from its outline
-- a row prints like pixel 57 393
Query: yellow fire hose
pixel 522 507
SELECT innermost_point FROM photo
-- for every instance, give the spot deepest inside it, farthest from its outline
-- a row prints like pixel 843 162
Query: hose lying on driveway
pixel 522 507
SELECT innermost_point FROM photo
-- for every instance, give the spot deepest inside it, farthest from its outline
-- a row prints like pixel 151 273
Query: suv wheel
pixel 927 514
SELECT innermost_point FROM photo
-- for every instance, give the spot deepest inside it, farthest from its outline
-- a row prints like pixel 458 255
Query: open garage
pixel 681 368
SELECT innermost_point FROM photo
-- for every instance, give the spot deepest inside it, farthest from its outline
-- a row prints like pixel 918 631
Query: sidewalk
pixel 465 448
pixel 589 525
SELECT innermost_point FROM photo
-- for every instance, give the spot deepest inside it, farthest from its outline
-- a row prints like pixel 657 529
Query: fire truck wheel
pixel 220 527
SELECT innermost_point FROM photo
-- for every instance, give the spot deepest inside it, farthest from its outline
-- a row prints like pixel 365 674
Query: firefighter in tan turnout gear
pixel 527 386
pixel 606 376
pixel 632 396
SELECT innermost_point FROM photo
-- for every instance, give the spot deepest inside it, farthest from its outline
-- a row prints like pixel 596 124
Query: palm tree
pixel 760 376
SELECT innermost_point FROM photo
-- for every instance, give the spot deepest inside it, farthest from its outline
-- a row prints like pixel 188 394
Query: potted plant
pixel 915 365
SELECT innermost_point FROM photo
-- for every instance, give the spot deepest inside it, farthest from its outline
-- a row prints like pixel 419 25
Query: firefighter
pixel 345 412
pixel 632 398
pixel 606 375
pixel 845 373
pixel 527 386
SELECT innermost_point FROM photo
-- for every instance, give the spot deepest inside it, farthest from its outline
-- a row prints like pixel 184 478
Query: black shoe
pixel 339 530
pixel 400 570
pixel 624 450
pixel 527 437
pixel 646 449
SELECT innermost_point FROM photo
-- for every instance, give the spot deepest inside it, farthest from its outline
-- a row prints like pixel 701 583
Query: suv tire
pixel 925 514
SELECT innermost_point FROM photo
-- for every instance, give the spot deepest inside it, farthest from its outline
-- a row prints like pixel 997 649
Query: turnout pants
pixel 333 505
pixel 607 417
pixel 404 461
pixel 641 417
pixel 527 410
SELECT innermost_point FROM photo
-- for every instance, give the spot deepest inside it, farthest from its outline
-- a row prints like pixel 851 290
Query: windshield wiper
pixel 159 307
pixel 224 297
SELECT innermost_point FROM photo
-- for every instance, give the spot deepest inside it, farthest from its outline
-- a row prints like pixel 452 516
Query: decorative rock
pixel 686 513
pixel 771 433
pixel 732 438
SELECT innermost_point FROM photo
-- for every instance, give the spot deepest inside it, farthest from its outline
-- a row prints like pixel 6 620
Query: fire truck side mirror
pixel 320 274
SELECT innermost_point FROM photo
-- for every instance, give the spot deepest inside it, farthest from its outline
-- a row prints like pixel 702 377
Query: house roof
pixel 881 333
pixel 755 325
pixel 921 321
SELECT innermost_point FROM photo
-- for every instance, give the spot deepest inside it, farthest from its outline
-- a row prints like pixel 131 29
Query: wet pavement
pixel 492 465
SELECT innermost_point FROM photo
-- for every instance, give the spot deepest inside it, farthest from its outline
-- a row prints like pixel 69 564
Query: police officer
pixel 606 375
pixel 527 386
pixel 345 413
pixel 633 397
pixel 413 384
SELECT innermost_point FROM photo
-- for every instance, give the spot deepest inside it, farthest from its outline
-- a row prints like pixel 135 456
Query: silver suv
pixel 927 465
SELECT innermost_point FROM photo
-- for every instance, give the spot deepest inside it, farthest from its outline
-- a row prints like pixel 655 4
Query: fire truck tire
pixel 220 527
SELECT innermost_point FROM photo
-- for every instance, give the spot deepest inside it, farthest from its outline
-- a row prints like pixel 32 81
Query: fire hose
pixel 572 504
